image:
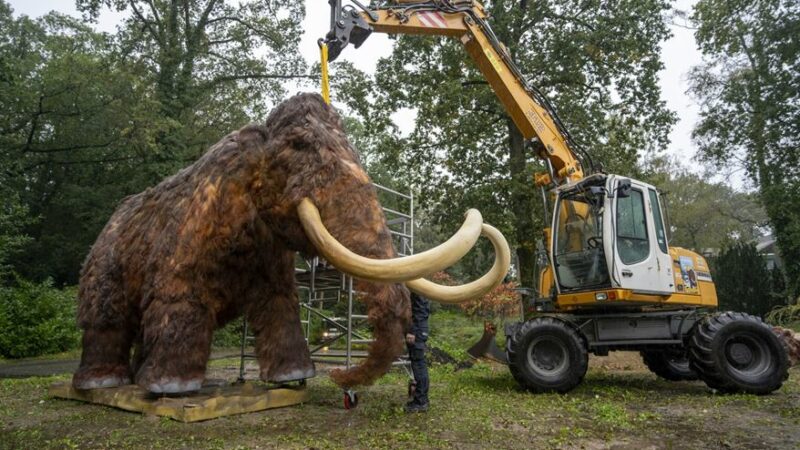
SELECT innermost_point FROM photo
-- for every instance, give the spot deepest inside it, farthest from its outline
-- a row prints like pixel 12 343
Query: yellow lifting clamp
pixel 326 87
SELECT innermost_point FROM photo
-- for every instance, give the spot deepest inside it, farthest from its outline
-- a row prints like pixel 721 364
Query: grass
pixel 619 405
pixel 478 407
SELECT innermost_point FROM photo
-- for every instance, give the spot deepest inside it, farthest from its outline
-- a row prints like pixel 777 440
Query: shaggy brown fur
pixel 217 240
pixel 792 342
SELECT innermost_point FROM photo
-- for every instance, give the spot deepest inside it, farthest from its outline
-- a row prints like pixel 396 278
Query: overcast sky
pixel 679 54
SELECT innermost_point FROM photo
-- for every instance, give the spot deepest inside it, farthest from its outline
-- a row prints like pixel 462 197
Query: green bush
pixel 744 283
pixel 786 316
pixel 37 319
pixel 230 335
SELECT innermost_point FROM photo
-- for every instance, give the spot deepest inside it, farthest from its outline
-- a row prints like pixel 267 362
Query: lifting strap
pixel 326 87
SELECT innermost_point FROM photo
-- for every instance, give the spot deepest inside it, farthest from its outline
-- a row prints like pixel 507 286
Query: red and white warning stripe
pixel 432 19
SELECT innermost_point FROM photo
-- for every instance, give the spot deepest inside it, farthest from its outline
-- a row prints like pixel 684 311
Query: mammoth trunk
pixel 389 318
pixel 357 221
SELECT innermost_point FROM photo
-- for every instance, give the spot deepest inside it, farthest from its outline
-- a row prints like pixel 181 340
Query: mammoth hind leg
pixel 175 347
pixel 105 359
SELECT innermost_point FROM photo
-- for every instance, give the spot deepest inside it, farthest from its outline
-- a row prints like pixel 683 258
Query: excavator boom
pixel 466 20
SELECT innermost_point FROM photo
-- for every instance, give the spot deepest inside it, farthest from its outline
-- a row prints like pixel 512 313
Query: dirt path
pixel 34 367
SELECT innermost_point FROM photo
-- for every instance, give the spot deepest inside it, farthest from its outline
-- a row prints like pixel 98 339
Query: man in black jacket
pixel 415 341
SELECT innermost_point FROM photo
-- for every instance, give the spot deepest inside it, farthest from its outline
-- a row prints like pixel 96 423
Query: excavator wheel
pixel 547 355
pixel 672 365
pixel 738 353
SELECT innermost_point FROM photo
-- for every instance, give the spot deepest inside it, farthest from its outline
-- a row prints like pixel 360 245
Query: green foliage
pixel 786 316
pixel 212 64
pixel 702 214
pixel 37 319
pixel 229 336
pixel 87 118
pixel 750 105
pixel 454 332
pixel 13 218
pixel 744 283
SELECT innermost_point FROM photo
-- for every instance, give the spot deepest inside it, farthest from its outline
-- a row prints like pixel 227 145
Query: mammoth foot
pixel 100 377
pixel 285 375
pixel 174 385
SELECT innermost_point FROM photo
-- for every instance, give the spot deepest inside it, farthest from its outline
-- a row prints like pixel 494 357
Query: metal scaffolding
pixel 321 288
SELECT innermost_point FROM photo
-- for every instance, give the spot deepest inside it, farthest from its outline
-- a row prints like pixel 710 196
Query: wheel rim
pixel 548 356
pixel 747 356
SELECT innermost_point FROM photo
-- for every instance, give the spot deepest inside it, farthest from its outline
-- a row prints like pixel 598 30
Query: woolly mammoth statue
pixel 218 240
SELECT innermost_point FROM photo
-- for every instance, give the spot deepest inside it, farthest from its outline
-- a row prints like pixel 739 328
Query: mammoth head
pixel 329 180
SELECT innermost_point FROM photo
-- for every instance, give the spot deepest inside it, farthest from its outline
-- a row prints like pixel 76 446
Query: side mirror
pixel 624 188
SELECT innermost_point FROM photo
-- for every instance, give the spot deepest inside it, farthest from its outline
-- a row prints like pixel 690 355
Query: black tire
pixel 736 352
pixel 671 364
pixel 547 355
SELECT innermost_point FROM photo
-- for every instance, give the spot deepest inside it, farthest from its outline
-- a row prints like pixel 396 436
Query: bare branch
pixel 154 11
pixel 263 33
pixel 203 20
pixel 68 148
pixel 256 76
pixel 147 23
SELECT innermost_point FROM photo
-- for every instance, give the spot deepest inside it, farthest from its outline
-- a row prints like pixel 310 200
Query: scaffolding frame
pixel 320 285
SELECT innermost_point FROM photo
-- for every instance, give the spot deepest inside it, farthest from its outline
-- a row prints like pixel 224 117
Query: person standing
pixel 416 338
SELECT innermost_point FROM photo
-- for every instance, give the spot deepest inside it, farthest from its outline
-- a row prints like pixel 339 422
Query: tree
pixel 213 64
pixel 13 218
pixel 703 214
pixel 75 132
pixel 88 118
pixel 750 105
pixel 597 60
pixel 744 283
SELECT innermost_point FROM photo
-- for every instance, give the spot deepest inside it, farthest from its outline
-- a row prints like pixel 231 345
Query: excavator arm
pixel 466 21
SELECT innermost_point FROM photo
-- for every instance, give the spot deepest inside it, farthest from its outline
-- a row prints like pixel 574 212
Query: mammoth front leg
pixel 176 345
pixel 274 314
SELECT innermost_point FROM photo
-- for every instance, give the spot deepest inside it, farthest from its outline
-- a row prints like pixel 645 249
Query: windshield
pixel 579 255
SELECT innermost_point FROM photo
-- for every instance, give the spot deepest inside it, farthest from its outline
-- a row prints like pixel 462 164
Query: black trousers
pixel 416 354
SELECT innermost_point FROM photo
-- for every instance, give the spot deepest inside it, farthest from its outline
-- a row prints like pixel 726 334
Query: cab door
pixel 641 260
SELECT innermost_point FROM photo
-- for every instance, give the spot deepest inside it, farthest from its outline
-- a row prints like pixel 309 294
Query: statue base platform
pixel 214 400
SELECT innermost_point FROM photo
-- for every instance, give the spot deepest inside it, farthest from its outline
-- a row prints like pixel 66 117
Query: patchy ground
pixel 620 405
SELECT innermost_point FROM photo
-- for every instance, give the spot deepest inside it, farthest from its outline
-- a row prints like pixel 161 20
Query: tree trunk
pixel 522 201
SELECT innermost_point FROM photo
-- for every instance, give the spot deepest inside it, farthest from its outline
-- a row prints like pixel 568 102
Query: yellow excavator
pixel 608 280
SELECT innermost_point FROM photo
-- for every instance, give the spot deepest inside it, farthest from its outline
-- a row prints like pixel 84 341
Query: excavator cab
pixel 578 253
pixel 609 233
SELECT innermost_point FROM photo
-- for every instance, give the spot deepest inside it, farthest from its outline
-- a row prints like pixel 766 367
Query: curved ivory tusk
pixel 474 289
pixel 389 270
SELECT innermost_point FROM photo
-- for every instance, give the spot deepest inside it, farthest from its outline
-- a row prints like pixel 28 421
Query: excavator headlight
pixel 601 296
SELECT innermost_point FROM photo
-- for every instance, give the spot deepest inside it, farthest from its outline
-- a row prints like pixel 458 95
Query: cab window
pixel 579 257
pixel 632 243
pixel 661 235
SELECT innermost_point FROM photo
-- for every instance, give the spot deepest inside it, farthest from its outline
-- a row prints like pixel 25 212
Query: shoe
pixel 412 407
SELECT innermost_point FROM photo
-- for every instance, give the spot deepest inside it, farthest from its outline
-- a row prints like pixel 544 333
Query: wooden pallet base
pixel 212 401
